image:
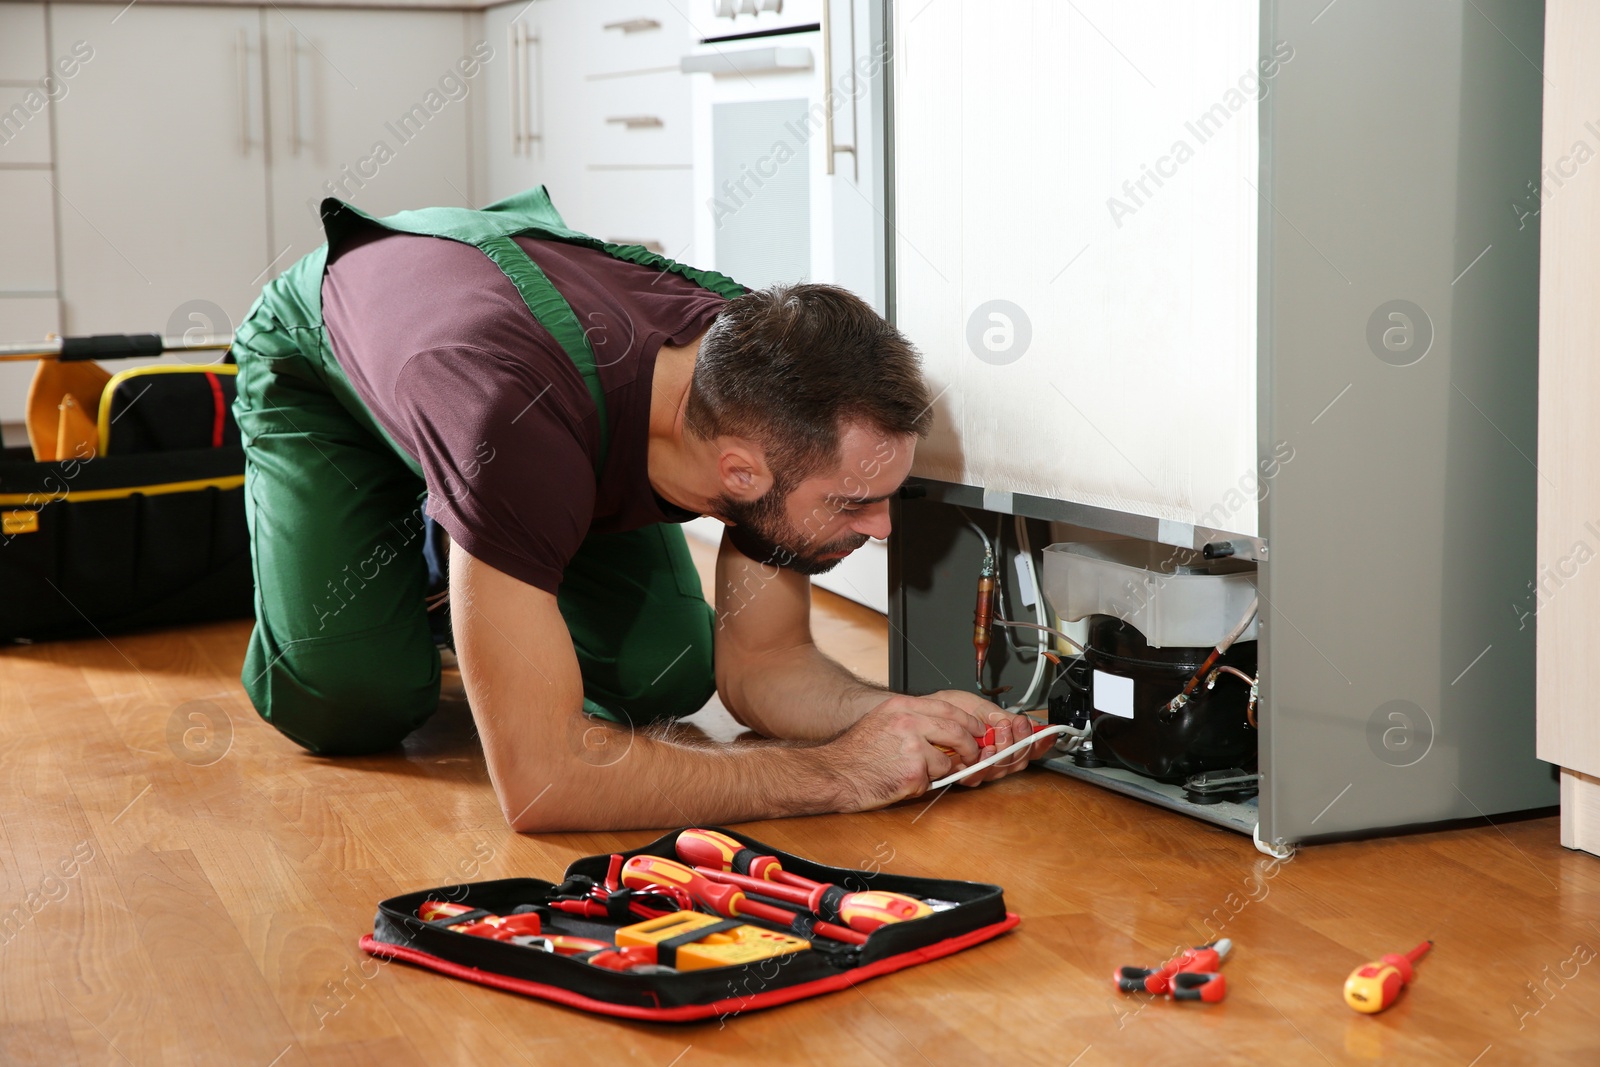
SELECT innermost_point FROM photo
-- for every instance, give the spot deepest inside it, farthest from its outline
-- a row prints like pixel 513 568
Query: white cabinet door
pixel 371 107
pixel 533 113
pixel 645 207
pixel 25 92
pixel 160 166
pixel 507 166
pixel 28 266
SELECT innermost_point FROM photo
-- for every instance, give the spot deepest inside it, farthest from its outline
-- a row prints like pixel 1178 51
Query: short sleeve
pixel 507 461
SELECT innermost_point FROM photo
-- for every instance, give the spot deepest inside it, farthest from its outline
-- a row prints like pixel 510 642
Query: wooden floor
pixel 182 885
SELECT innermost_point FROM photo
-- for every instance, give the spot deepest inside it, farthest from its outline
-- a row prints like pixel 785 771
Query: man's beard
pixel 762 531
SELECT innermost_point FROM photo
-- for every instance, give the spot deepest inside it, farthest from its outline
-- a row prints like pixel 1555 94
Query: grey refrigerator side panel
pixel 1399 339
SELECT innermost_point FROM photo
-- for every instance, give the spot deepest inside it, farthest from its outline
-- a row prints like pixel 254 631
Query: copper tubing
pixel 982 615
pixel 1211 661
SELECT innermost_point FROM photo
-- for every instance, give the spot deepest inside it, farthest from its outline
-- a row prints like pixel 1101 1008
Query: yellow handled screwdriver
pixel 1374 986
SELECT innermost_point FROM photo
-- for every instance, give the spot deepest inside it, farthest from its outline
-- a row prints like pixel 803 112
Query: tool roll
pixel 622 935
pixel 126 510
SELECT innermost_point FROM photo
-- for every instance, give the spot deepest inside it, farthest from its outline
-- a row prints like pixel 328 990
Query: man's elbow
pixel 534 818
pixel 735 697
pixel 730 704
pixel 540 809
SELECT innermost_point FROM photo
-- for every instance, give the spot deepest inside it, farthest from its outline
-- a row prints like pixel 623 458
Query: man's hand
pixel 1008 730
pixel 891 753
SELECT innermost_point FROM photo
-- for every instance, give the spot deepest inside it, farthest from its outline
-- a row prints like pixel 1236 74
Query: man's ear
pixel 742 468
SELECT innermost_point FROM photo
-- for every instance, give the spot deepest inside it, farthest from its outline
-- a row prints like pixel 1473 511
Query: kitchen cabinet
pixel 28 303
pixel 1562 601
pixel 161 166
pixel 371 107
pixel 183 194
pixel 590 105
pixel 533 101
pixel 24 111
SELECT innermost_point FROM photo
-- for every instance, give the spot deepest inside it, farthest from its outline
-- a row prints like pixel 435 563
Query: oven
pixel 787 178
pixel 788 169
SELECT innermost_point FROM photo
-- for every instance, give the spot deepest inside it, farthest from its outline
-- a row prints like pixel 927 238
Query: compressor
pixel 1167 674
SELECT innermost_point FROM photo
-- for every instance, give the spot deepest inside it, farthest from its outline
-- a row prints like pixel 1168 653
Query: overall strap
pixel 551 310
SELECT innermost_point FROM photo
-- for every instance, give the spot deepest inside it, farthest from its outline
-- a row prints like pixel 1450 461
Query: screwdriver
pixel 718 857
pixel 728 900
pixel 707 848
pixel 983 741
pixel 1374 986
pixel 864 911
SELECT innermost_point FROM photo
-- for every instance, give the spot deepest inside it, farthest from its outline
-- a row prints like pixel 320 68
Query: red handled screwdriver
pixel 864 911
pixel 712 854
pixel 642 871
pixel 707 848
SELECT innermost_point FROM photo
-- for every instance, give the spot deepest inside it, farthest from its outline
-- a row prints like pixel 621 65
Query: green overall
pixel 341 659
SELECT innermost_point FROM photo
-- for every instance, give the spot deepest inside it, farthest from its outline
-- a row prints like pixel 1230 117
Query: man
pixel 563 404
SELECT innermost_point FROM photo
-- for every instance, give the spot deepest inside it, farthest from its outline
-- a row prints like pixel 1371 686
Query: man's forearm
pixel 661 782
pixel 799 693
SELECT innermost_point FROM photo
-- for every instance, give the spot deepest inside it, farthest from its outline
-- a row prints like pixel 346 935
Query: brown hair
pixel 789 366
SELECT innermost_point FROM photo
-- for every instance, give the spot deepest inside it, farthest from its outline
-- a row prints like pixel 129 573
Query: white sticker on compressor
pixel 1113 694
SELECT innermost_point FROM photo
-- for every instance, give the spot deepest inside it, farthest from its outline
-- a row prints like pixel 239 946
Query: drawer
pixel 633 35
pixel 24 103
pixel 22 319
pixel 22 50
pixel 27 221
pixel 24 134
pixel 638 120
pixel 649 207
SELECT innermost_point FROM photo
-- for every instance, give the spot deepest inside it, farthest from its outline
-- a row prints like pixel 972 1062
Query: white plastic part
pixel 1170 595
pixel 1279 851
pixel 1027 587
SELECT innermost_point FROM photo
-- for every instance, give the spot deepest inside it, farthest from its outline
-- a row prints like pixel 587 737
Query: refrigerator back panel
pixel 1075 220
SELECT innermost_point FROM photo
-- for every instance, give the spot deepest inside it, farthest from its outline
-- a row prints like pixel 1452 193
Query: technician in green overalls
pixel 562 404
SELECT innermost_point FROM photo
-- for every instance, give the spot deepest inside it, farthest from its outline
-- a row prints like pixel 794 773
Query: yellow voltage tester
pixel 697 941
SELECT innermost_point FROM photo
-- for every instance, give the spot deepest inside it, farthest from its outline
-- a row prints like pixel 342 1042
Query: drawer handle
pixel 633 25
pixel 649 246
pixel 637 122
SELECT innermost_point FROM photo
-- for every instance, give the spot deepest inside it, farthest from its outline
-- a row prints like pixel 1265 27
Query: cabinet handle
pixel 530 43
pixel 241 60
pixel 294 93
pixel 829 147
pixel 632 25
pixel 637 122
pixel 513 42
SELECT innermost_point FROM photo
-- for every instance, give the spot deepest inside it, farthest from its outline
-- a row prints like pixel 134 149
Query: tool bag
pixel 127 509
pixel 978 914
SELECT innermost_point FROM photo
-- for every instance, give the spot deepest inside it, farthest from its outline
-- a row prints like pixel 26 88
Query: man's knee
pixel 676 677
pixel 344 697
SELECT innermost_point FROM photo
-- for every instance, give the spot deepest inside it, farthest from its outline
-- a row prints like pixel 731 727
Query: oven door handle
pixel 747 61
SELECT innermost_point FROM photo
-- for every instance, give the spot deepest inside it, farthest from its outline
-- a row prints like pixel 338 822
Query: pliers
pixel 1191 975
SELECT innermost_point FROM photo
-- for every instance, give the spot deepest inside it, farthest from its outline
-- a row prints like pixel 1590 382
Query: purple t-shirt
pixel 453 365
